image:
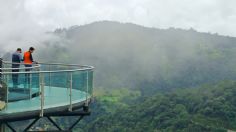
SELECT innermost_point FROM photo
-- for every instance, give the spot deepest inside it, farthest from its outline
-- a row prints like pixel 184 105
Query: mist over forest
pixel 129 55
pixel 148 78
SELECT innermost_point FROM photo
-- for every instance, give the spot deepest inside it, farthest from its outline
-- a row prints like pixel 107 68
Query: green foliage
pixel 207 108
pixel 133 63
pixel 117 98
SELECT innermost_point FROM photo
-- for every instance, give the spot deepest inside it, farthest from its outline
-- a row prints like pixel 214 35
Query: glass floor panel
pixel 54 97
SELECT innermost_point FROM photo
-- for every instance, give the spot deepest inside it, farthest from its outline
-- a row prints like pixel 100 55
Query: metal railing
pixel 22 82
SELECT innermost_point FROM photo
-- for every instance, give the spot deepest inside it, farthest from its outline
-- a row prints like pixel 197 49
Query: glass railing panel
pixel 90 82
pixel 56 91
pixel 57 79
pixel 22 86
pixel 18 87
pixel 35 84
pixel 79 80
pixel 82 84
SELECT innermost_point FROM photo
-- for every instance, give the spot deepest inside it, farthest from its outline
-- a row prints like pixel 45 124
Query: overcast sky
pixel 29 17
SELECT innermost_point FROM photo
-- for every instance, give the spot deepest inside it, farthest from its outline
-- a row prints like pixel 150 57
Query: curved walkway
pixel 54 97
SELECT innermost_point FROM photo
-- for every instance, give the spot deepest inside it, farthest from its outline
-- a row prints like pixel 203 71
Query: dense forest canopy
pixel 207 108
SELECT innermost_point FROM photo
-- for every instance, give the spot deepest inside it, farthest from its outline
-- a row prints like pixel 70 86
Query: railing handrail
pixel 48 63
pixel 38 65
pixel 21 68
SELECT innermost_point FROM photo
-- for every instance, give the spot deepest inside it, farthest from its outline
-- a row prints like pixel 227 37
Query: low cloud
pixel 23 23
pixel 207 16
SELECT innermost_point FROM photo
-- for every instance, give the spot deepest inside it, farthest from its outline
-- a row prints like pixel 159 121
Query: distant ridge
pixel 128 24
pixel 130 55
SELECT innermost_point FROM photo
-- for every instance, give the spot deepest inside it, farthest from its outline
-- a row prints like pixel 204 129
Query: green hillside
pixel 207 108
pixel 147 59
pixel 149 79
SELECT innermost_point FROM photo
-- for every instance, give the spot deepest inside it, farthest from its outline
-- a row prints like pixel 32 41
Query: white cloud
pixel 23 21
pixel 204 15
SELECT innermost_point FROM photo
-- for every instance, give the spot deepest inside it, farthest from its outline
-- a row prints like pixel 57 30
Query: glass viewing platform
pixel 43 89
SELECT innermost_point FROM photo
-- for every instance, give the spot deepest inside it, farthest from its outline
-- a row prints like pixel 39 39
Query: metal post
pixel 85 107
pixel 1 70
pixel 67 80
pixel 7 89
pixel 30 85
pixel 87 89
pixel 1 73
pixel 50 76
pixel 42 93
pixel 92 85
pixel 71 83
pixel 39 81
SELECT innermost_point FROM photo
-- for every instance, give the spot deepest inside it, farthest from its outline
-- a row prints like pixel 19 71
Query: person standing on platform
pixel 16 60
pixel 28 58
pixel 28 61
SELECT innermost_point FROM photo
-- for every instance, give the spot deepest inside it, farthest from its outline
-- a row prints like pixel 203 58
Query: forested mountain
pixel 147 59
pixel 149 79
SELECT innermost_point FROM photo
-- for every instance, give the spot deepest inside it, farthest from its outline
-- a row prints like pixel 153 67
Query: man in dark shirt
pixel 16 59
